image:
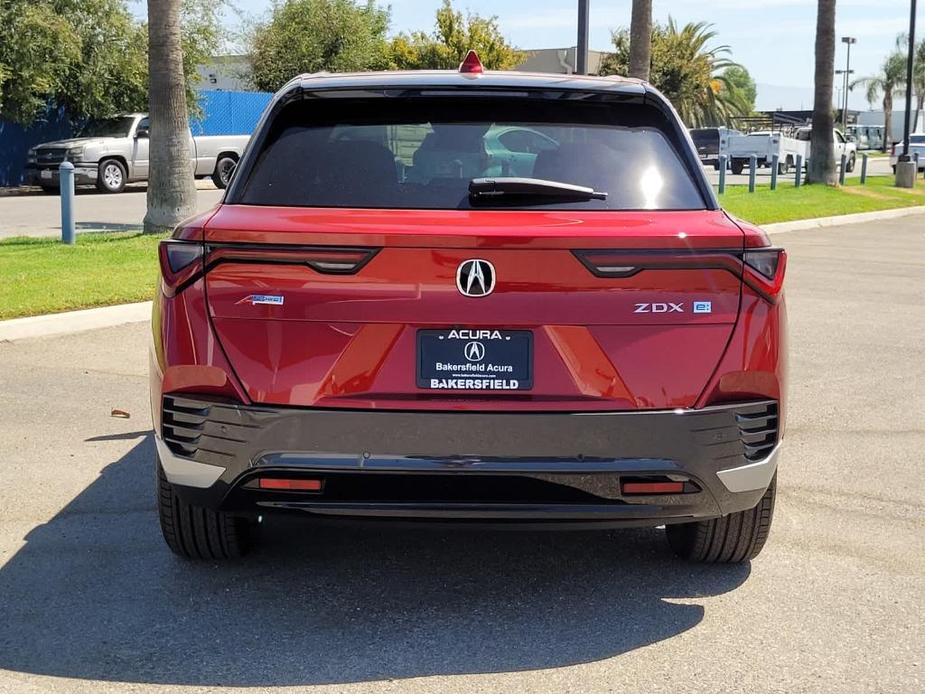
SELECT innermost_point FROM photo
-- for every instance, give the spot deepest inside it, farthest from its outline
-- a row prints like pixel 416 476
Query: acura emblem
pixel 475 278
pixel 475 351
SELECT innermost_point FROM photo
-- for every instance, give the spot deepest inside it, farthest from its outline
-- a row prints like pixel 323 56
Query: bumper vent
pixel 758 429
pixel 183 424
pixel 204 431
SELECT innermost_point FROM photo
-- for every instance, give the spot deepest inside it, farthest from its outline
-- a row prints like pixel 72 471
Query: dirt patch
pixel 863 192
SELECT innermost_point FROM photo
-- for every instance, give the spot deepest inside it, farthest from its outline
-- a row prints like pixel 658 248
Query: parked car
pixel 710 143
pixel 841 145
pixel 367 326
pixel 916 146
pixel 113 152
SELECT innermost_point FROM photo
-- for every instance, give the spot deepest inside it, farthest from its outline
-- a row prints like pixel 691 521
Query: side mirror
pixel 141 132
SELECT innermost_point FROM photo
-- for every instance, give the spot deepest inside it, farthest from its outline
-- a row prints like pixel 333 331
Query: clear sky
pixel 772 38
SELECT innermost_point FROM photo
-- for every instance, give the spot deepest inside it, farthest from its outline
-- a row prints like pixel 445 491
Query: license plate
pixel 475 359
pixel 46 173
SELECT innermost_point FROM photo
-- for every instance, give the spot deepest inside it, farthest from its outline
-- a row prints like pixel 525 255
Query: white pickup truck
pixel 765 145
pixel 112 152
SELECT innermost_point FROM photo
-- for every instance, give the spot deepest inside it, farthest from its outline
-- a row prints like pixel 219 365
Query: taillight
pixel 181 263
pixel 764 271
pixel 762 268
pixel 893 149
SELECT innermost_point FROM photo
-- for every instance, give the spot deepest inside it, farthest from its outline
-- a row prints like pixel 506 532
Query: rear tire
pixel 738 166
pixel 731 539
pixel 193 532
pixel 51 190
pixel 849 167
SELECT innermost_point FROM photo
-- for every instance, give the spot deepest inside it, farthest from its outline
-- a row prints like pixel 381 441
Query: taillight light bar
pixel 183 261
pixel 762 269
pixel 326 260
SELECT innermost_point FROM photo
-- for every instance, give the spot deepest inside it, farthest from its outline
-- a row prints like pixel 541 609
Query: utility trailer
pixel 765 145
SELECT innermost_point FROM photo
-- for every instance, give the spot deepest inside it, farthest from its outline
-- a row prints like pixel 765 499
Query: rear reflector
pixel 291 485
pixel 653 487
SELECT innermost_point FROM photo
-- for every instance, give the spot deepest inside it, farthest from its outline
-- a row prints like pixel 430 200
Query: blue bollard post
pixel 66 185
pixel 798 178
pixel 722 173
pixel 864 168
pixel 841 169
pixel 752 171
pixel 774 161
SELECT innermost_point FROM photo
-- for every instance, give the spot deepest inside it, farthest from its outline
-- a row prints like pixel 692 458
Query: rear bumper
pixel 499 467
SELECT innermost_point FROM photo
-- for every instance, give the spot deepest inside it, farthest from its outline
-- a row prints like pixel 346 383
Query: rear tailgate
pixel 608 310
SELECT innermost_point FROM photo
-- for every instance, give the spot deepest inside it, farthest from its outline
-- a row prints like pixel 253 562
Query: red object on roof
pixel 471 64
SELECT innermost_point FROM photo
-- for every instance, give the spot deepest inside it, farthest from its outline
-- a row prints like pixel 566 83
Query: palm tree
pixel 892 77
pixel 640 39
pixel 171 189
pixel 687 71
pixel 822 155
pixel 918 72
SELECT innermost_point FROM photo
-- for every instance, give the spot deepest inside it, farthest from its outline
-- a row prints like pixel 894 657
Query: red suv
pixel 499 298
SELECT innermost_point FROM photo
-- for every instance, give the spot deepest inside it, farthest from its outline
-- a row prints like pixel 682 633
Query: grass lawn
pixel 788 203
pixel 45 276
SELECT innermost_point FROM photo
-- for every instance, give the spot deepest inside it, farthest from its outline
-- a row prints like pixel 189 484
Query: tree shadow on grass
pixel 94 594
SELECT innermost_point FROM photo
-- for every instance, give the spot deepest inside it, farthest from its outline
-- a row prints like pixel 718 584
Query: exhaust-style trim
pixel 184 471
pixel 746 478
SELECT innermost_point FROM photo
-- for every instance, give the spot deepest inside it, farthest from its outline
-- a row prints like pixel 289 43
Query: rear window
pixel 706 137
pixel 421 153
pixel 917 139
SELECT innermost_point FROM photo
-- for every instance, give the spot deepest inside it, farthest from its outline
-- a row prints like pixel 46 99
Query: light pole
pixel 849 40
pixel 909 61
pixel 581 59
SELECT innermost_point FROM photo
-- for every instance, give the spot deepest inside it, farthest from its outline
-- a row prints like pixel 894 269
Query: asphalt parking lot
pixel 91 600
pixel 876 166
pixel 38 214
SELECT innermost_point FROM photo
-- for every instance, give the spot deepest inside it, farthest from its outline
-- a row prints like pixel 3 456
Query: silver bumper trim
pixel 184 471
pixel 753 476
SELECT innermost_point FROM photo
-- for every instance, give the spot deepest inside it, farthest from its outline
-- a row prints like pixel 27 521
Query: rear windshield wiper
pixel 532 187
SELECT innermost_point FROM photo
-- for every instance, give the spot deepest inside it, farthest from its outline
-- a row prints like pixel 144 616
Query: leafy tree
pixel 314 35
pixel 455 35
pixel 171 189
pixel 686 70
pixel 741 79
pixel 89 56
pixel 892 76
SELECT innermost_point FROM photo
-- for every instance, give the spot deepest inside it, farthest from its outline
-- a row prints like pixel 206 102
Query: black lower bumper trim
pixel 524 466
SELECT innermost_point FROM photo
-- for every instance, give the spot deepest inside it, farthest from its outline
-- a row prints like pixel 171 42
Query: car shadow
pixel 94 594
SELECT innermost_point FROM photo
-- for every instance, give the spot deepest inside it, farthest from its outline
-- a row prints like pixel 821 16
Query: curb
pixel 821 222
pixel 74 321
